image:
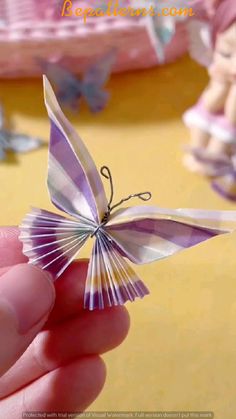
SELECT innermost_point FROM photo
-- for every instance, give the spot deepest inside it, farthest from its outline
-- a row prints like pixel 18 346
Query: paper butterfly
pixel 16 143
pixel 162 28
pixel 223 171
pixel 141 234
pixel 71 89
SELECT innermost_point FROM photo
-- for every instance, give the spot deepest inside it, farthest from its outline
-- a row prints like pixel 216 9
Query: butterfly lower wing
pixel 110 280
pixel 70 99
pixel 144 234
pixel 95 97
pixel 73 181
pixel 52 241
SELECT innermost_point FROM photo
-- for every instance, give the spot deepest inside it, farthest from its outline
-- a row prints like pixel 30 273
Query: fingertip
pixel 11 247
pixel 75 386
pixel 120 320
pixel 30 293
pixel 107 328
pixel 9 233
pixel 69 291
pixel 96 364
pixel 26 299
pixel 76 272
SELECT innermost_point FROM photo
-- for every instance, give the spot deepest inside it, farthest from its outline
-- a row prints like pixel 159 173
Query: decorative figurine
pixel 212 121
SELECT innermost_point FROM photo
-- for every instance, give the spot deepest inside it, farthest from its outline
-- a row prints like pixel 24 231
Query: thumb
pixel 27 296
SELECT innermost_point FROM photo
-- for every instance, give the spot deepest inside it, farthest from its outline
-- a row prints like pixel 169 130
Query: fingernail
pixel 29 293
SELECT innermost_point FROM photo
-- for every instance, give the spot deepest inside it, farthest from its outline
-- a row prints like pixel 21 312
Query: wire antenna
pixel 144 196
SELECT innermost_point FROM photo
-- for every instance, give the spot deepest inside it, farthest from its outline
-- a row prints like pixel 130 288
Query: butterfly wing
pixel 146 234
pixel 94 80
pixel 4 143
pixel 74 183
pixel 199 40
pixel 20 143
pixel 95 97
pixel 2 118
pixel 2 152
pixel 164 30
pixel 67 85
pixel 52 241
pixel 99 73
pixel 110 280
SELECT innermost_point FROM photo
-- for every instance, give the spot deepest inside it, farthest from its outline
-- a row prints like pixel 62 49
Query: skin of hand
pixel 50 345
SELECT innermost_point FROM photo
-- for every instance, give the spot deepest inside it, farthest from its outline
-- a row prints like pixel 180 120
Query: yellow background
pixel 181 350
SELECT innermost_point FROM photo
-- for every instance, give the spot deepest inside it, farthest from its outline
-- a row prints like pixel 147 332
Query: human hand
pixel 49 347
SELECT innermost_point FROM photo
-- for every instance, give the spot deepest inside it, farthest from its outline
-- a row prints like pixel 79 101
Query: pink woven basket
pixel 31 29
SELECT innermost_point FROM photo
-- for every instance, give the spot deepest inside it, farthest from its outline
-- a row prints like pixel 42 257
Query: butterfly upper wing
pixel 164 30
pixel 94 80
pixel 67 85
pixel 99 73
pixel 199 40
pixel 73 181
pixel 146 234
pixel 22 143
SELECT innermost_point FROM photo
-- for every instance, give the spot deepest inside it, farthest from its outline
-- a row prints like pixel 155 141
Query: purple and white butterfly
pixel 70 89
pixel 162 19
pixel 15 143
pixel 141 234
